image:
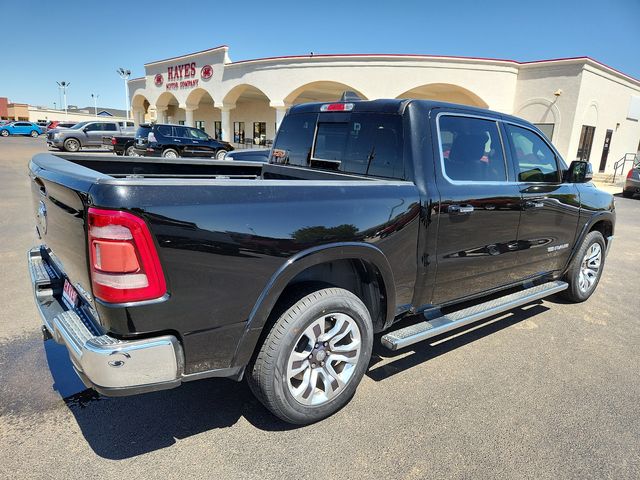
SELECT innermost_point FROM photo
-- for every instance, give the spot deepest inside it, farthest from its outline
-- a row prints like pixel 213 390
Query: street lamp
pixel 124 75
pixel 63 86
pixel 95 104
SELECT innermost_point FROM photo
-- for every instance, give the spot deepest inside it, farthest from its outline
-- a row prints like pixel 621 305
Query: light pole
pixel 95 104
pixel 124 75
pixel 63 86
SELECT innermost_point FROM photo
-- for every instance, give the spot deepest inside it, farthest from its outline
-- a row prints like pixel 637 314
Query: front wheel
pixel 314 356
pixel 586 268
pixel 220 154
pixel 71 145
pixel 34 134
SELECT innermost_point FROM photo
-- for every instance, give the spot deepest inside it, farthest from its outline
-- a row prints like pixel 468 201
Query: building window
pixel 238 132
pixel 200 125
pixel 180 122
pixel 586 139
pixel 547 129
pixel 259 133
pixel 217 130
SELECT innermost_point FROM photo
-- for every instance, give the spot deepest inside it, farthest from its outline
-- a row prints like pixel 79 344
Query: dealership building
pixel 589 110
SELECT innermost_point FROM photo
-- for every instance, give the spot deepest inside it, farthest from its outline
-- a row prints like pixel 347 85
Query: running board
pixel 427 329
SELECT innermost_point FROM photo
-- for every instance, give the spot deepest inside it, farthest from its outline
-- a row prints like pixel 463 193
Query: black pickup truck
pixel 155 272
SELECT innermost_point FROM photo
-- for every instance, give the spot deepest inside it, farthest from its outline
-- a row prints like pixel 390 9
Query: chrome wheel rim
pixel 589 268
pixel 324 359
pixel 220 155
pixel 34 134
pixel 4 133
pixel 170 155
pixel 72 145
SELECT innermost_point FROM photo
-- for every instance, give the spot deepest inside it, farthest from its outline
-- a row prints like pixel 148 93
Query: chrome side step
pixel 431 328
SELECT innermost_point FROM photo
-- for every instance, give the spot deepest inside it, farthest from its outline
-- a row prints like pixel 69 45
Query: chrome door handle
pixel 460 209
pixel 534 203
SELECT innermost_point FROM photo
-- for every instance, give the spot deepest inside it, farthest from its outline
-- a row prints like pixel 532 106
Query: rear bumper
pixel 109 365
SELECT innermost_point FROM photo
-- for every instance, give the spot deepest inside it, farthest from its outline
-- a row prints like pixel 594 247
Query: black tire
pixel 267 372
pixel 170 153
pixel 129 151
pixel 627 194
pixel 34 134
pixel 576 292
pixel 4 133
pixel 71 145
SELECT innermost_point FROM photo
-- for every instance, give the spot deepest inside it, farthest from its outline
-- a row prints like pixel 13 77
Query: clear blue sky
pixel 84 42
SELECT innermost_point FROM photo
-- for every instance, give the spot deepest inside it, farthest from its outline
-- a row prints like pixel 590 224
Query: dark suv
pixel 173 141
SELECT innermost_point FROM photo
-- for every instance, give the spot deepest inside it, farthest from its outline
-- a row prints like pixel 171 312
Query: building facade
pixel 587 109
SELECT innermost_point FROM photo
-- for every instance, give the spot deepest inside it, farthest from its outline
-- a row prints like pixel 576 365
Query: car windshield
pixel 78 126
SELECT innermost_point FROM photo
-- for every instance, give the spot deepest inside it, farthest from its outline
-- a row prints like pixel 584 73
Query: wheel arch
pixel 312 265
pixel 604 222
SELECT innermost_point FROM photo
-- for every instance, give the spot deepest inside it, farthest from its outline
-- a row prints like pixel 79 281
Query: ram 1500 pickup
pixel 155 272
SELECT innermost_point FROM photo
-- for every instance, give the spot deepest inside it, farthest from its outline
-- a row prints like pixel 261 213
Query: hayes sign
pixel 183 76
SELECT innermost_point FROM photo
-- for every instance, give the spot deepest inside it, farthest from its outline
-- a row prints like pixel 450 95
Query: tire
pixel 71 145
pixel 4 133
pixel 288 359
pixel 129 151
pixel 627 194
pixel 170 153
pixel 34 134
pixel 586 268
pixel 220 154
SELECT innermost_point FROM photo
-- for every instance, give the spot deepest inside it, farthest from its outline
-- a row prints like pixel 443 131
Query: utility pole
pixel 63 86
pixel 124 75
pixel 95 104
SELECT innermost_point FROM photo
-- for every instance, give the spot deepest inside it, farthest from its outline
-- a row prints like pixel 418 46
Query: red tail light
pixel 630 173
pixel 123 258
pixel 113 140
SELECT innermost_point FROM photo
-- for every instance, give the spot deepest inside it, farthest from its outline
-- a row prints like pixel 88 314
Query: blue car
pixel 21 128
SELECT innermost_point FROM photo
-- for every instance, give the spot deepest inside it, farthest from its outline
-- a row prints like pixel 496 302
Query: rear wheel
pixel 170 153
pixel 586 268
pixel 34 134
pixel 220 154
pixel 129 151
pixel 71 145
pixel 314 356
pixel 4 133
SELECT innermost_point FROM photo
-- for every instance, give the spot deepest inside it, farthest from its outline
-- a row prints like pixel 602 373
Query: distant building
pixel 589 110
pixel 33 113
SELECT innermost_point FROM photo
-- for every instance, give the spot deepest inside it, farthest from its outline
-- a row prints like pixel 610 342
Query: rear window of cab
pixel 360 143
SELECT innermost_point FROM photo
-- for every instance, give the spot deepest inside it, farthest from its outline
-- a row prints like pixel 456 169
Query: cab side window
pixel 534 160
pixel 92 127
pixel 471 149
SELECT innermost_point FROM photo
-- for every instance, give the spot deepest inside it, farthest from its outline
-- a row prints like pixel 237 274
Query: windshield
pixel 78 126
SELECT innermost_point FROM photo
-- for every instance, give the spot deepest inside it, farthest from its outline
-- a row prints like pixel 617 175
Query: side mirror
pixel 579 172
pixel 85 129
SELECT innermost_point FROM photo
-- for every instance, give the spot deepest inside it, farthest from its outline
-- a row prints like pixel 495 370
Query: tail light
pixel 124 262
pixel 113 140
pixel 630 173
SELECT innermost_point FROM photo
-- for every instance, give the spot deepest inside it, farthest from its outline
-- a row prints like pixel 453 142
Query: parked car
pixel 250 155
pixel 121 145
pixel 173 141
pixel 154 273
pixel 86 134
pixel 60 124
pixel 21 128
pixel 632 182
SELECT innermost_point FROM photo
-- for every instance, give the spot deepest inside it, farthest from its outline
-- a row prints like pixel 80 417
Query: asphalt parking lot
pixel 548 391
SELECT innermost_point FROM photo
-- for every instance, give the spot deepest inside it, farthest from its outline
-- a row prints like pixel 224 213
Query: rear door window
pixel 471 149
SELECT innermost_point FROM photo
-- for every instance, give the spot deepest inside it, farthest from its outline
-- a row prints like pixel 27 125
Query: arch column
pixel 281 111
pixel 225 118
pixel 189 116
pixel 161 114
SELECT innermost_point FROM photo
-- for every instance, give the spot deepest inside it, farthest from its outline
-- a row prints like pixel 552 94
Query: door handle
pixel 460 209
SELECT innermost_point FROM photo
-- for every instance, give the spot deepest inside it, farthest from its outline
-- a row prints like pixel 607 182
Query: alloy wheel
pixel 590 267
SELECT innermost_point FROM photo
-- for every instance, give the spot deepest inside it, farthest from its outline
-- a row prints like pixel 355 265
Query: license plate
pixel 69 294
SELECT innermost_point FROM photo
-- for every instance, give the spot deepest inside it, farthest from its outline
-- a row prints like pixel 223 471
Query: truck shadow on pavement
pixel 125 427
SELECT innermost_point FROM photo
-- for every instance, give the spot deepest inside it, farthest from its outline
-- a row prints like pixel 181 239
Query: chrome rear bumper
pixel 107 364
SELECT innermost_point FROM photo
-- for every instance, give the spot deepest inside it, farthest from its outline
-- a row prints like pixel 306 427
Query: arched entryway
pixel 200 112
pixel 320 91
pixel 445 92
pixel 140 107
pixel 251 119
pixel 168 108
